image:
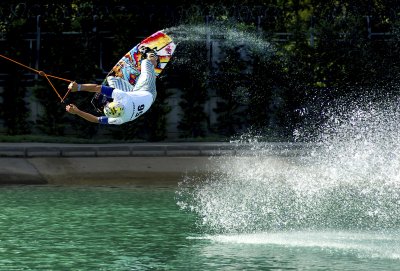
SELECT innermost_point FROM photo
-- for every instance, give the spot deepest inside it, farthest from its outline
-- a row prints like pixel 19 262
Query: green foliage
pixel 52 120
pixel 81 127
pixel 327 45
pixel 194 94
pixel 230 79
pixel 14 110
pixel 155 123
pixel 268 95
pixel 193 83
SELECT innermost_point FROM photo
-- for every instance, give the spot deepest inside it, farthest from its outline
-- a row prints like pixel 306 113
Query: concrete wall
pixel 124 164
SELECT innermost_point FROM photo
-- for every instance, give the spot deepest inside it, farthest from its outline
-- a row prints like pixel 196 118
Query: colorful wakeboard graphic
pixel 125 73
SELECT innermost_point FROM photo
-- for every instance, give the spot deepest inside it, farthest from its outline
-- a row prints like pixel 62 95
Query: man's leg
pixel 147 78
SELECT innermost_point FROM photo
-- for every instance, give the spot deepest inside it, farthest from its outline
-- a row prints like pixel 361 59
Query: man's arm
pixel 73 87
pixel 72 109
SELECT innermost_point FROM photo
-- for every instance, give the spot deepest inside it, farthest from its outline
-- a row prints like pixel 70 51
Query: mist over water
pixel 340 191
pixel 347 179
pixel 227 33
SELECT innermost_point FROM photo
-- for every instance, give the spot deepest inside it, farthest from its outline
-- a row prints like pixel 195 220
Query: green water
pixel 142 228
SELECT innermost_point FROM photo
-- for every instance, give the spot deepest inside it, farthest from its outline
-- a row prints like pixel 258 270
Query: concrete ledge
pixel 42 152
pixel 13 151
pixel 97 164
pixel 183 153
pixel 149 149
pixel 113 151
pixel 78 151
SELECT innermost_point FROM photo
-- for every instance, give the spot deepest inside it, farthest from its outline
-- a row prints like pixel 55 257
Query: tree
pixel 192 81
pixel 230 81
pixel 14 110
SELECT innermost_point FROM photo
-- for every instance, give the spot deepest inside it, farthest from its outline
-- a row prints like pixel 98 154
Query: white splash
pixel 350 179
pixel 363 244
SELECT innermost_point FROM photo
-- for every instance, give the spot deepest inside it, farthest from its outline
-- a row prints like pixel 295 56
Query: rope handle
pixel 42 73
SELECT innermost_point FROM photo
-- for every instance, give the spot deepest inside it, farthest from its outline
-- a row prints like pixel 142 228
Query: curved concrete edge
pixel 19 171
pixel 18 179
pixel 100 170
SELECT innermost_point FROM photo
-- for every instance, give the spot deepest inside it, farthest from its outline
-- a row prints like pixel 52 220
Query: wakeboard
pixel 125 73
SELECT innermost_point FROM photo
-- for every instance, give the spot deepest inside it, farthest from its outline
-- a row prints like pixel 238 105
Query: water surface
pixel 142 228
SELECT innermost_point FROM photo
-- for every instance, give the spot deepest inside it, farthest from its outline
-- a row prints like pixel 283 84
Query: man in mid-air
pixel 126 105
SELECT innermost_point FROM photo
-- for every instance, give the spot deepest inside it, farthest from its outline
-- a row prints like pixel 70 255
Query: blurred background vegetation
pixel 321 51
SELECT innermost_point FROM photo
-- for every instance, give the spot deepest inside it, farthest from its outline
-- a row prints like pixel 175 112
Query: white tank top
pixel 135 104
pixel 139 100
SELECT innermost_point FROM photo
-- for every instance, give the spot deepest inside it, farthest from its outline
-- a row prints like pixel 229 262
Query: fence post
pixel 369 26
pixel 312 31
pixel 208 40
pixel 37 44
